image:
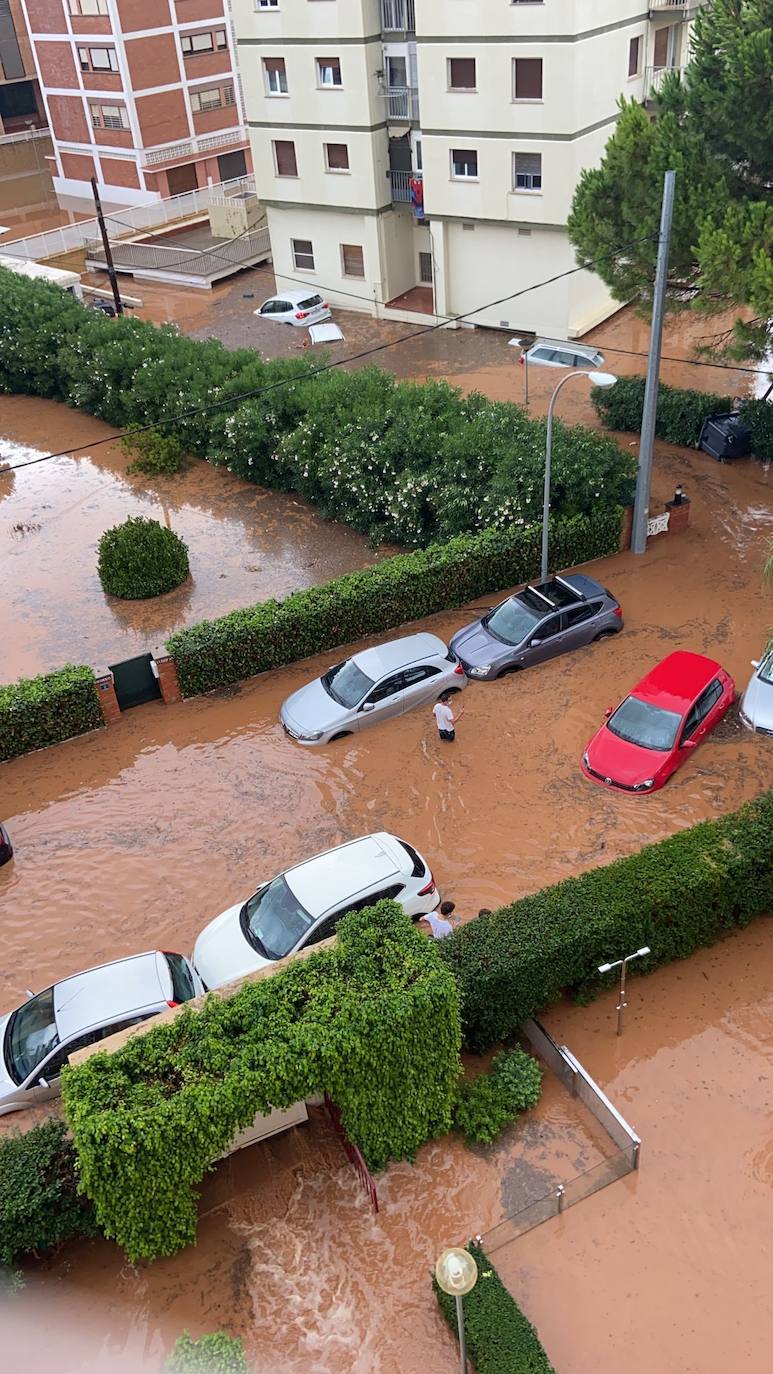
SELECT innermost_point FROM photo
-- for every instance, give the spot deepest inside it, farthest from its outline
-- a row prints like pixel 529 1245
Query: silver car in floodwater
pixel 371 686
pixel 756 708
pixel 37 1039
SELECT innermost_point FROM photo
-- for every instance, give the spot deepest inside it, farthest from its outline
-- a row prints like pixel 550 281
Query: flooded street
pixel 245 543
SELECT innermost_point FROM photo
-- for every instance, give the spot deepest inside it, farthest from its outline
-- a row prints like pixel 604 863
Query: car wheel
pixel 507 672
pixel 449 692
pixel 342 734
pixel 605 634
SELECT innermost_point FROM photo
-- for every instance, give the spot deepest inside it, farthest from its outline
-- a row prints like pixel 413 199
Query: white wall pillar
pixel 439 240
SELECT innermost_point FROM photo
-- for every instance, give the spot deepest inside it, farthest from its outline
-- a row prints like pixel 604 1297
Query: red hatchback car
pixel 653 731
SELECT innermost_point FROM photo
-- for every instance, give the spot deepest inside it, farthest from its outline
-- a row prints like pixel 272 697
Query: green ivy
pixel 141 558
pixel 39 1201
pixel 156 454
pixel 500 1339
pixel 680 413
pixel 676 896
pixel 400 589
pixel 38 711
pixel 215 1353
pixel 373 1021
pixel 492 1100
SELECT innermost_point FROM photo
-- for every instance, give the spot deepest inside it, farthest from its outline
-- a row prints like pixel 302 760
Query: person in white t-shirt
pixel 445 718
pixel 439 925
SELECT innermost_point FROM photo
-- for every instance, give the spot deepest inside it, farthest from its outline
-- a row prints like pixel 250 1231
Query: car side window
pixel 388 688
pixel 413 675
pixel 547 629
pixel 386 893
pixel 577 614
pixel 710 697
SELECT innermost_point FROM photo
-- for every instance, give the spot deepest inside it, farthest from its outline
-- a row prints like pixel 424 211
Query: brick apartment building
pixel 142 94
pixel 20 104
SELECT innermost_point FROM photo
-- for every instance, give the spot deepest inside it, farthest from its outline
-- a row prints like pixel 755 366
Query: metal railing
pixel 401 185
pixel 654 78
pixel 177 260
pixel 352 1152
pixel 685 8
pixel 25 136
pixel 402 102
pixel 398 16
pixel 39 247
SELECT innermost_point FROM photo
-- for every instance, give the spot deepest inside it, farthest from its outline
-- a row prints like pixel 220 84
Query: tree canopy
pixel 714 126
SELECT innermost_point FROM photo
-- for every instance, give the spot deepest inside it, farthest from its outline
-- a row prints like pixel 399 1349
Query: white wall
pixel 327 230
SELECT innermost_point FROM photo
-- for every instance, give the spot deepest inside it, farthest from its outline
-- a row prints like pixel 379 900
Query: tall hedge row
pixel 675 896
pixel 500 1339
pixel 680 413
pixel 38 711
pixel 400 589
pixel 40 1206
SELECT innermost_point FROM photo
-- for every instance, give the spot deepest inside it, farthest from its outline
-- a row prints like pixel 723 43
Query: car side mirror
pixel 755 663
pixel 43 1083
pixel 29 992
pixel 534 642
pixel 689 743
pixel 368 706
pixel 608 712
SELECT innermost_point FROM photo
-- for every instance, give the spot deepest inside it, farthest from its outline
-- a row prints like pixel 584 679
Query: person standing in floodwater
pixel 445 718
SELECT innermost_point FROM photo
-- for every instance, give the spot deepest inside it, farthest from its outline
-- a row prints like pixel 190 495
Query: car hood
pixel 221 952
pixel 475 645
pixel 622 762
pixel 310 708
pixel 6 1082
pixel 757 702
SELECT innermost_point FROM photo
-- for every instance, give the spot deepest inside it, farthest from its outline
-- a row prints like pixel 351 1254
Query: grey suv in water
pixel 536 624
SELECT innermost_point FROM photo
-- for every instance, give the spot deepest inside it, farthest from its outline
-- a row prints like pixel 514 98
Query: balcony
pixel 402 103
pixel 653 81
pixel 203 143
pixel 685 9
pixel 398 16
pixel 401 186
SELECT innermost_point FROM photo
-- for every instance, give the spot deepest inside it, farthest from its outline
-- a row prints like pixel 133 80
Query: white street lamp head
pixel 643 951
pixel 604 968
pixel 602 378
pixel 456 1272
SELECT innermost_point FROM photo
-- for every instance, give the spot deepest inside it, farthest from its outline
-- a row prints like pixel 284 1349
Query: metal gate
pixel 135 681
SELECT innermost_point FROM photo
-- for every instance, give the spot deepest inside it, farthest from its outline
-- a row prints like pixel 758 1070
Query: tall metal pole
pixel 548 461
pixel 621 1004
pixel 642 501
pixel 106 245
pixel 460 1324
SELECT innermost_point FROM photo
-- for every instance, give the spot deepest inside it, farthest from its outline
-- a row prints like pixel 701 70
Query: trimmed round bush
pixel 141 558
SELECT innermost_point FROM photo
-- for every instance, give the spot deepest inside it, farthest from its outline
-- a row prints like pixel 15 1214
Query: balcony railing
pixel 685 9
pixel 176 260
pixel 402 102
pixel 654 78
pixel 204 143
pixel 398 16
pixel 401 185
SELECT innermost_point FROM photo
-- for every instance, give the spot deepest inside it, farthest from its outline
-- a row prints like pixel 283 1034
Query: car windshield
pixel 346 684
pixel 641 723
pixel 30 1035
pixel 512 621
pixel 274 920
pixel 765 670
pixel 310 302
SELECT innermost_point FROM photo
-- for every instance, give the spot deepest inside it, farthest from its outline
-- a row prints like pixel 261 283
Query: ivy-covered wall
pixel 372 1020
pixel 38 711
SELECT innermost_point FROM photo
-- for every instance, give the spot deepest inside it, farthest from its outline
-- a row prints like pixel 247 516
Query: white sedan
pixel 756 707
pixel 299 308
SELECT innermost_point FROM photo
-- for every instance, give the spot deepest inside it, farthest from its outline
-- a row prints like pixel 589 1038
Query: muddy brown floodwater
pixel 245 543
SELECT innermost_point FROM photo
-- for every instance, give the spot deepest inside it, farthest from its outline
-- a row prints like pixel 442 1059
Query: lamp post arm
pixel 548 462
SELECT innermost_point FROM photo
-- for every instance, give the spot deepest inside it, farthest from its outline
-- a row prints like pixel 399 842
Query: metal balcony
pixel 401 185
pixel 402 103
pixel 653 81
pixel 681 9
pixel 398 16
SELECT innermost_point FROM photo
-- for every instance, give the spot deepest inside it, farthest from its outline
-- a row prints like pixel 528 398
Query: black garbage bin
pixel 724 436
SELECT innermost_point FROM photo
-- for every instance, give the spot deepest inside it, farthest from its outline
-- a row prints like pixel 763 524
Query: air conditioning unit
pixel 231 216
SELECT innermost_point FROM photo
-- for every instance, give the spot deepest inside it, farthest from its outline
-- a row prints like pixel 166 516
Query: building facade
pixel 21 107
pixel 141 94
pixel 403 144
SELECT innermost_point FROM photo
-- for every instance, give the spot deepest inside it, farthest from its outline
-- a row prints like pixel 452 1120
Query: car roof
pixel 568 346
pixel 677 680
pixel 107 993
pixel 328 878
pixel 294 296
pixel 398 653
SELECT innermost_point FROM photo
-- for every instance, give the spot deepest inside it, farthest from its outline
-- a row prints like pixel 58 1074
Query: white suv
pixel 304 904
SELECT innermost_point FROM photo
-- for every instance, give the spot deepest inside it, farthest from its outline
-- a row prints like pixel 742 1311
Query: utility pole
pixel 644 479
pixel 107 248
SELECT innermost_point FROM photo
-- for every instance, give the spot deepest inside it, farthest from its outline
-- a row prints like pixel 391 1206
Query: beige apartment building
pixel 425 153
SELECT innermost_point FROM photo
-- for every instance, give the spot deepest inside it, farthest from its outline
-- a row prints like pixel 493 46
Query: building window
pixel 211 99
pixel 267 4
pixel 328 71
pixel 98 59
pixel 425 269
pixel 461 73
pixel 634 56
pixel 275 75
pixel 192 43
pixel 660 49
pixel 464 162
pixel 87 6
pixel 527 171
pixel 337 157
pixel 285 160
pixel 109 116
pixel 396 73
pixel 353 260
pixel 303 254
pixel 527 78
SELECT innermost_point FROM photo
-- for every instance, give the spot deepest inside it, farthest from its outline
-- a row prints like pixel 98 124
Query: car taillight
pixel 459 670
pixel 618 610
pixel 172 1004
pixel 425 891
pixel 324 305
pixel 301 314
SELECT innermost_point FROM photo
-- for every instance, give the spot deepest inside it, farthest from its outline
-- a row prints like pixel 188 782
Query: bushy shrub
pixel 500 1339
pixel 38 711
pixel 372 1020
pixel 39 1201
pixel 490 1101
pixel 158 454
pixel 215 1353
pixel 675 896
pixel 680 413
pixel 380 598
pixel 141 558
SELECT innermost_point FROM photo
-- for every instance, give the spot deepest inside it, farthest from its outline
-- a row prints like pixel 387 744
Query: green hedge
pixel 38 711
pixel 215 1353
pixel 676 896
pixel 380 598
pixel 680 413
pixel 141 558
pixel 500 1339
pixel 492 1100
pixel 39 1201
pixel 372 1020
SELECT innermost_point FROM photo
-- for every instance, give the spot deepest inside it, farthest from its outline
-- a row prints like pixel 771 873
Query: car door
pixel 421 684
pixel 327 926
pixel 547 640
pixel 581 627
pixel 705 713
pixel 383 700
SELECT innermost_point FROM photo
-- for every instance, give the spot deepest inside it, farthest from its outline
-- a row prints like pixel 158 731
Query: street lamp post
pixel 597 379
pixel 622 964
pixel 457 1274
